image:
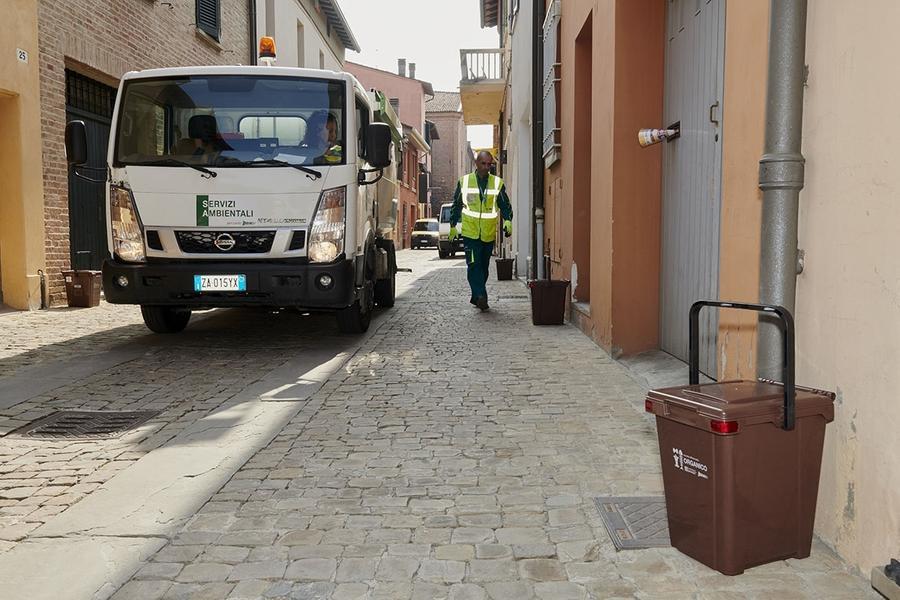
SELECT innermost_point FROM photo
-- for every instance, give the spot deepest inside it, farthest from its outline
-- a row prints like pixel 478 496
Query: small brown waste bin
pixel 504 268
pixel 83 288
pixel 741 461
pixel 548 301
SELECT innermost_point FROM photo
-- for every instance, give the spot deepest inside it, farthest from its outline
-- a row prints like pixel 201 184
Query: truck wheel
pixel 353 320
pixel 443 253
pixel 165 319
pixel 356 317
pixel 386 289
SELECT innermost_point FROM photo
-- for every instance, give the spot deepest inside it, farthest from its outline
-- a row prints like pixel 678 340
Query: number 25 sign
pixel 22 55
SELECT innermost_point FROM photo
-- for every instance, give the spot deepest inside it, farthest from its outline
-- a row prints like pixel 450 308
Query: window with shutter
pixel 208 17
pixel 551 84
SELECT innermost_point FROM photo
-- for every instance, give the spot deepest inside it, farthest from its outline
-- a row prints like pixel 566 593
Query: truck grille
pixel 244 242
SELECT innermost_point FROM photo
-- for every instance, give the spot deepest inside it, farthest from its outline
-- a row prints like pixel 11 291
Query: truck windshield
pixel 231 120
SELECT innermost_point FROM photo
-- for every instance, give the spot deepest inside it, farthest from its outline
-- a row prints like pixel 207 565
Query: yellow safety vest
pixel 480 214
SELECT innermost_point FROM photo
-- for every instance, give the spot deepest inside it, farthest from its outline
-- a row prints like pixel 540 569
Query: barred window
pixel 208 17
pixel 551 84
pixel 89 95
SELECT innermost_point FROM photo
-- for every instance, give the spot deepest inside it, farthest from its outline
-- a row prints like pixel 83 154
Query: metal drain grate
pixel 635 522
pixel 84 424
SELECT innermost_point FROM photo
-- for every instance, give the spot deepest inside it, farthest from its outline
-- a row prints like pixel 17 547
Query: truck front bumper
pixel 276 285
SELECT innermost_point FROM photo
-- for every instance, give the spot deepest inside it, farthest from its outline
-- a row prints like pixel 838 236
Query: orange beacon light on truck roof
pixel 267 48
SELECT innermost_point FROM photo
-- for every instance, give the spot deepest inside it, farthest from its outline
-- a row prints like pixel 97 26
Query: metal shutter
pixel 692 175
pixel 208 17
pixel 551 84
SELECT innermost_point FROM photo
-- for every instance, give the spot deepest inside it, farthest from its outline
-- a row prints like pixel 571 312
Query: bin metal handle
pixel 788 366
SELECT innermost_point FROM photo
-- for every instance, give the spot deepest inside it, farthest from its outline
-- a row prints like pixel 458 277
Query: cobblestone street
pixel 447 454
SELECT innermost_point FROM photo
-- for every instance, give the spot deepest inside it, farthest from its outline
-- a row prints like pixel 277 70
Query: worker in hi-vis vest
pixel 478 198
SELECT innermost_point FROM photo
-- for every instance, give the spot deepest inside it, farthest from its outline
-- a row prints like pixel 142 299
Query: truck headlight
pixel 326 236
pixel 128 240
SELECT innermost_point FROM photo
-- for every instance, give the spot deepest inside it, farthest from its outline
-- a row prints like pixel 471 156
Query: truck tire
pixel 386 289
pixel 443 253
pixel 356 317
pixel 353 320
pixel 165 319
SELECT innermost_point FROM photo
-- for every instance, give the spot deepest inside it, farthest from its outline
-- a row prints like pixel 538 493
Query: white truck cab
pixel 246 186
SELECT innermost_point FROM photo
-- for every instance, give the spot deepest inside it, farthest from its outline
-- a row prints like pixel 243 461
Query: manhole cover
pixel 635 522
pixel 90 424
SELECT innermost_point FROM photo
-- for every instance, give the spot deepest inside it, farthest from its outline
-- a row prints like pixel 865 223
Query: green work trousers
pixel 478 263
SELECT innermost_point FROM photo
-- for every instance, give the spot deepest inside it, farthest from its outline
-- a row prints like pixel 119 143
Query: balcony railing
pixel 482 65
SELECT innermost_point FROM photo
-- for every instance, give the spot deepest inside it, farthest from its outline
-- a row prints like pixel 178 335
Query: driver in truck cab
pixel 321 138
pixel 205 139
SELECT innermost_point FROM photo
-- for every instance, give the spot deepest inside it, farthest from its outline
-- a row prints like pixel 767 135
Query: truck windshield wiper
pixel 174 162
pixel 281 163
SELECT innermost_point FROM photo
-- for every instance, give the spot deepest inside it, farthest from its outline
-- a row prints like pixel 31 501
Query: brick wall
pixel 446 157
pixel 104 39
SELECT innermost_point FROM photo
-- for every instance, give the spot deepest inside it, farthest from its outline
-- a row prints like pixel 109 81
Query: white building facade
pixel 308 33
pixel 518 143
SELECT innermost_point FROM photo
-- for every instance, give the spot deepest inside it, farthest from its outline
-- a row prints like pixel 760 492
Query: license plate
pixel 220 283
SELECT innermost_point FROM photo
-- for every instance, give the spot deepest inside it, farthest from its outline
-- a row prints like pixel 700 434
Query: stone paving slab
pixel 455 456
pixel 31 338
pixel 221 359
pixel 68 566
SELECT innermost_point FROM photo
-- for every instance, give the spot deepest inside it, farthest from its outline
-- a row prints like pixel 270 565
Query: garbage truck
pixel 235 186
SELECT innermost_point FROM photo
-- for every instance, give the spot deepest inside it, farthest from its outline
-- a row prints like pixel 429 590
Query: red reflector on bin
pixel 723 426
pixel 648 406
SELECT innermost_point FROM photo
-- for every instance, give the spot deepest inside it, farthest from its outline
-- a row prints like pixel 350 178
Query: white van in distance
pixel 445 246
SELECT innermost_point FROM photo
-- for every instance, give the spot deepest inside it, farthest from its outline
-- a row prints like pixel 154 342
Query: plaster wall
pixel 848 297
pixel 409 91
pixel 636 177
pixel 21 202
pixel 627 38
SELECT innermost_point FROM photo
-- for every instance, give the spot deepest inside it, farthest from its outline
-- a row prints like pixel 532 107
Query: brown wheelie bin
pixel 741 460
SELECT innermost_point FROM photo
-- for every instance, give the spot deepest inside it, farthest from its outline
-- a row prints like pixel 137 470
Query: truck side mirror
pixel 378 145
pixel 76 143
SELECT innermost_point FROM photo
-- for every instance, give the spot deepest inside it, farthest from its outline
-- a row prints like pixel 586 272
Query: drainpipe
pixel 253 40
pixel 781 172
pixel 537 139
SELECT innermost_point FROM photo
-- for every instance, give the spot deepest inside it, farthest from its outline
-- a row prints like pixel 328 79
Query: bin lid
pixel 748 402
pixel 554 283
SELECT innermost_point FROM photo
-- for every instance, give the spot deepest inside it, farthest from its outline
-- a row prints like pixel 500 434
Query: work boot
pixel 482 303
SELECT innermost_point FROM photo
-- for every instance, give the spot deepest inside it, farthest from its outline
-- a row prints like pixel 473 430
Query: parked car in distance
pixel 425 233
pixel 445 247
